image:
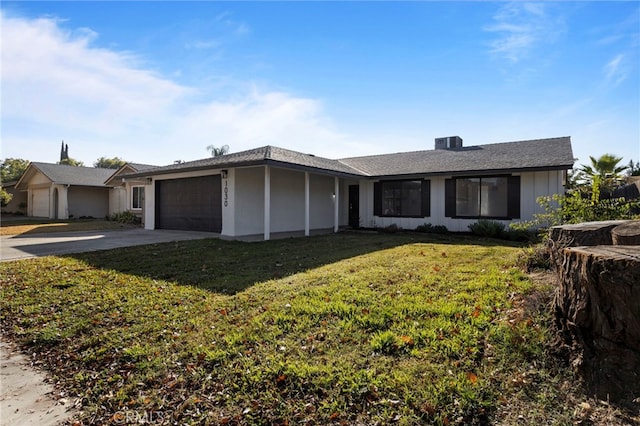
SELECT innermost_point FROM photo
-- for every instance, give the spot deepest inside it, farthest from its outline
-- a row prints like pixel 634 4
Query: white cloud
pixel 616 70
pixel 57 85
pixel 520 27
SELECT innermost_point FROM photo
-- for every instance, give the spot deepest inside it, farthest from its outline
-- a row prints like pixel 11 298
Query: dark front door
pixel 354 206
pixel 193 204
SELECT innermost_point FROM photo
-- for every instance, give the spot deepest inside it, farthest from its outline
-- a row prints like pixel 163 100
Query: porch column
pixel 336 197
pixel 306 204
pixel 63 202
pixel 267 203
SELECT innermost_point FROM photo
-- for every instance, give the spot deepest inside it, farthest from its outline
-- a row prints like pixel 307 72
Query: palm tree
pixel 603 172
pixel 215 151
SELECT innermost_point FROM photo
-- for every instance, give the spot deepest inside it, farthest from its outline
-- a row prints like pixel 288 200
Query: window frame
pixel 140 197
pixel 397 185
pixel 512 193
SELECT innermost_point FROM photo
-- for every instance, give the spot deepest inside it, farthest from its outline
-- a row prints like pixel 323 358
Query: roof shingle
pixel 552 153
pixel 72 175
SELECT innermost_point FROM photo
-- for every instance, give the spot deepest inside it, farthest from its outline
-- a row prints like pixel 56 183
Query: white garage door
pixel 40 202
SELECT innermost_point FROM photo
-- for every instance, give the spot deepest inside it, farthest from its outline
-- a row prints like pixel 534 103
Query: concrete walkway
pixel 25 397
pixel 25 246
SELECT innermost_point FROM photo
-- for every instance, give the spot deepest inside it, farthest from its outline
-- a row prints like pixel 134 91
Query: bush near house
pixel 125 217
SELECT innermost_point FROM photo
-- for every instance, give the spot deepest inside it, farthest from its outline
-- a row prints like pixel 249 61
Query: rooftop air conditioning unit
pixel 449 142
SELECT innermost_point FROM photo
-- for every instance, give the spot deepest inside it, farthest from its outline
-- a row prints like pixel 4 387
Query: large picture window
pixel 483 197
pixel 402 198
pixel 137 197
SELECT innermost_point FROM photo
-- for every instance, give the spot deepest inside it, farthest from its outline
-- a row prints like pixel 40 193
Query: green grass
pixel 348 328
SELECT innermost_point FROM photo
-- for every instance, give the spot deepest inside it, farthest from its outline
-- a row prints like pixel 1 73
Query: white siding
pixel 321 201
pixel 88 202
pixel 117 200
pixel 40 202
pixel 287 200
pixel 532 186
pixel 249 201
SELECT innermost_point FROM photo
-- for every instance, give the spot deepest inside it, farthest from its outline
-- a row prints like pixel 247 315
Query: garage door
pixel 40 202
pixel 192 204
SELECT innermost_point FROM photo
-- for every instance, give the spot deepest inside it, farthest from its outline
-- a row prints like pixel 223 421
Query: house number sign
pixel 226 194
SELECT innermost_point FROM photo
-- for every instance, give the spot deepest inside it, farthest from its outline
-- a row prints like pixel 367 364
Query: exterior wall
pixel 249 201
pixel 59 202
pixel 118 200
pixel 244 213
pixel 287 200
pixel 88 202
pixel 39 202
pixel 532 186
pixel 321 201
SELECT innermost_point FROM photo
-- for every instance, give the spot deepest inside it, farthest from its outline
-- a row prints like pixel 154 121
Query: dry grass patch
pixel 41 227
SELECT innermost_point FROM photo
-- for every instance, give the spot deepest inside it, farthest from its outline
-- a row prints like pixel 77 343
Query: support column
pixel 267 203
pixel 63 202
pixel 336 204
pixel 306 204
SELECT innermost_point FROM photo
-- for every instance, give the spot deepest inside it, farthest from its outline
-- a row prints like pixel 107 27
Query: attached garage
pixel 40 202
pixel 193 204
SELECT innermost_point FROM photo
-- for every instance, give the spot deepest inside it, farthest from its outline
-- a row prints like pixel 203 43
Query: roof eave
pixel 261 162
pixel 477 172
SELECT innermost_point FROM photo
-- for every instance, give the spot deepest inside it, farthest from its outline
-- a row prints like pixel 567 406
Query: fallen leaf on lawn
pixel 472 377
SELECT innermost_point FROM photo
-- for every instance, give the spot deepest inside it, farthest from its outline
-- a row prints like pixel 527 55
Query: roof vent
pixel 449 142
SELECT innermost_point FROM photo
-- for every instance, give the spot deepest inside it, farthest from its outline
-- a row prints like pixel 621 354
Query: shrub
pixel 432 229
pixel 391 228
pixel 5 197
pixel 577 207
pixel 125 217
pixel 488 228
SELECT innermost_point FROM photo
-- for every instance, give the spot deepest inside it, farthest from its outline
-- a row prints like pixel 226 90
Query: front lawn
pixel 345 329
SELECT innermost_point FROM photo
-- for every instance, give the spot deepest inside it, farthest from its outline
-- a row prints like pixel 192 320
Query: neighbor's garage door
pixel 192 204
pixel 40 202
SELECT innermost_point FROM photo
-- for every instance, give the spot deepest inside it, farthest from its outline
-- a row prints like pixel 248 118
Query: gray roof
pixel 72 175
pixel 141 167
pixel 125 169
pixel 264 155
pixel 539 154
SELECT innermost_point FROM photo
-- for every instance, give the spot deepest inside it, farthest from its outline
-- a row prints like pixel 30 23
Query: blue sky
pixel 154 82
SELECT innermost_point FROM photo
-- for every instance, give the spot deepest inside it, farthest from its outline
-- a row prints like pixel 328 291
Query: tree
pixel 71 162
pixel 603 174
pixel 109 163
pixel 12 169
pixel 216 152
pixel 633 169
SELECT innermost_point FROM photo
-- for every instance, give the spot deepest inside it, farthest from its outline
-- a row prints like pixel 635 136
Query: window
pixel 402 198
pixel 491 197
pixel 137 197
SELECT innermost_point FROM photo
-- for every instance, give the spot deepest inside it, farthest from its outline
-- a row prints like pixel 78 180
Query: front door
pixel 354 206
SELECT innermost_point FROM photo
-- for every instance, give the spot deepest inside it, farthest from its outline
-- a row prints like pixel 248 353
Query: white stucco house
pixel 57 191
pixel 270 190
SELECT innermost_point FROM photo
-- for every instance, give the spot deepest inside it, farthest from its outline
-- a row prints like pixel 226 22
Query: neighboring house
pixel 274 190
pixel 18 201
pixel 127 195
pixel 58 191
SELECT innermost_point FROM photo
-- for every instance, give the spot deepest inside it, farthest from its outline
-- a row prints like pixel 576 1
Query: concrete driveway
pixel 24 246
